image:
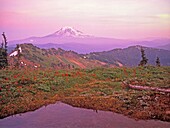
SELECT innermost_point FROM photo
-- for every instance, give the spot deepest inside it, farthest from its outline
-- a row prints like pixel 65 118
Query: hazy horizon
pixel 130 19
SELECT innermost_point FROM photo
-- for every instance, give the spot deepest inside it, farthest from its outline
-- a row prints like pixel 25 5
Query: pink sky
pixel 133 19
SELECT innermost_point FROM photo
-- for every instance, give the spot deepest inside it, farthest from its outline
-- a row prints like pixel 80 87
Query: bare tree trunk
pixel 138 87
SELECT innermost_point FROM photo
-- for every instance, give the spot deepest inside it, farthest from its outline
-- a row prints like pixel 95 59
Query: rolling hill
pixel 33 56
pixel 131 56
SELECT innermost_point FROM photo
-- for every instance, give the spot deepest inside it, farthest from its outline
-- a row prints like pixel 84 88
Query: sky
pixel 124 19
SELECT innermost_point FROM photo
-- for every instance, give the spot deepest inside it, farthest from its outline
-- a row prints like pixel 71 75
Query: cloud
pixel 163 16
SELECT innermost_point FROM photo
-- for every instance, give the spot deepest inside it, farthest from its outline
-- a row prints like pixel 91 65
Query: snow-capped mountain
pixel 69 38
pixel 69 32
pixel 62 36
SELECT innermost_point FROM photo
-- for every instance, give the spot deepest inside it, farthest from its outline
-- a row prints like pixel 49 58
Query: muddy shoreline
pixel 140 107
pixel 153 106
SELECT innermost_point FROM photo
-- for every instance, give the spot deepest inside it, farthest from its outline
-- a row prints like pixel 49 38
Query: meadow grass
pixel 25 89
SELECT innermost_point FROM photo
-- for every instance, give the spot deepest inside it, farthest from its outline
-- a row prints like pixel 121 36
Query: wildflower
pixel 125 72
pixel 94 75
pixel 23 77
pixel 134 72
pixel 35 78
pixel 67 79
pixel 108 79
pixel 15 76
pixel 56 72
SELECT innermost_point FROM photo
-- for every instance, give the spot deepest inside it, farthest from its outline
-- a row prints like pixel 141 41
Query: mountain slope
pixel 131 56
pixel 165 47
pixel 33 56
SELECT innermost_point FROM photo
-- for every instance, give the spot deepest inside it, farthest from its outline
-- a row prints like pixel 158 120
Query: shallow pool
pixel 61 115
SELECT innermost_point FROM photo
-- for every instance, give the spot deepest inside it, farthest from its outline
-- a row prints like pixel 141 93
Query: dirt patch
pixel 78 63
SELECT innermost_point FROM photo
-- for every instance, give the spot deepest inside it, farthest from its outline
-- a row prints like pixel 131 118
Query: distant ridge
pixel 33 56
pixel 165 47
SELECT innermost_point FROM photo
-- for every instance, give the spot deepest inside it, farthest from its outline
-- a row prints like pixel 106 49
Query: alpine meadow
pixel 85 64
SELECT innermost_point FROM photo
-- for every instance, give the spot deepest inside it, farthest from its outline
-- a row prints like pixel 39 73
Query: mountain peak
pixel 69 32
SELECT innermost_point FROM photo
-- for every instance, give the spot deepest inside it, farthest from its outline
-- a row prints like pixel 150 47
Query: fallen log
pixel 138 87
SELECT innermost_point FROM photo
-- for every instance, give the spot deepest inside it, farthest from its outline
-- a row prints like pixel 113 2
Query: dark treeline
pixel 3 52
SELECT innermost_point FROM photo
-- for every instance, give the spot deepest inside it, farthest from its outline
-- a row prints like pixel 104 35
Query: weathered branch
pixel 138 87
pixel 5 40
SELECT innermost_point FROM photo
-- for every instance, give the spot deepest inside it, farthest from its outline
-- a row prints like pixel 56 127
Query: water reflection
pixel 61 115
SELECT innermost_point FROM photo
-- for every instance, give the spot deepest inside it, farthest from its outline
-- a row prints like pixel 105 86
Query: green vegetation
pixel 144 60
pixel 131 56
pixel 33 57
pixel 28 89
pixel 158 63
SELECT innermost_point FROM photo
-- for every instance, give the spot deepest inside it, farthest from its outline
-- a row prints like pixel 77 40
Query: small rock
pixel 146 97
pixel 143 104
pixel 130 113
pixel 146 107
pixel 156 98
pixel 163 93
pixel 167 112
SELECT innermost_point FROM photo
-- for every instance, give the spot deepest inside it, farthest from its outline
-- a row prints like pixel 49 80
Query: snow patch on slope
pixel 16 52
